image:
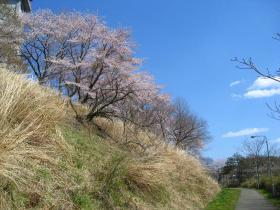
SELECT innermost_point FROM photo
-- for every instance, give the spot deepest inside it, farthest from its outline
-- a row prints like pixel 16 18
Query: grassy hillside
pixel 50 162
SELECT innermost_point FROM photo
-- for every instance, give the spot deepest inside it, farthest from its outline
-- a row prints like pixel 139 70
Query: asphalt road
pixel 252 200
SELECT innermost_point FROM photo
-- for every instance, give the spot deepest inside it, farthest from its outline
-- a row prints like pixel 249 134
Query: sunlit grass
pixel 225 200
pixel 48 161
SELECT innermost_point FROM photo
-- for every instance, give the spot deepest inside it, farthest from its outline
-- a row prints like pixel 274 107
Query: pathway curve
pixel 252 200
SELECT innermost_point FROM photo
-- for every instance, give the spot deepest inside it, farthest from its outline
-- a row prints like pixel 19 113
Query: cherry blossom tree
pixel 149 108
pixel 80 56
pixel 94 65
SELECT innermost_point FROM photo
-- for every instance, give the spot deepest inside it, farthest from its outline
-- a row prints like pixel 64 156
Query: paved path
pixel 252 200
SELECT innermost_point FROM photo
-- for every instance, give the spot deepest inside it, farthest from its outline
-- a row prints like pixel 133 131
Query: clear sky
pixel 187 46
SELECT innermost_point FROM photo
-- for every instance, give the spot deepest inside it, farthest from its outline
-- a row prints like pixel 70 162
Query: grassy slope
pixel 268 195
pixel 105 182
pixel 225 200
pixel 30 143
pixel 103 167
pixel 99 177
pixel 45 165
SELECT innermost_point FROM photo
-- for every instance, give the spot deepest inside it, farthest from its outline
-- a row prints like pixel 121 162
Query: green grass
pixel 225 200
pixel 268 195
pixel 91 157
pixel 100 169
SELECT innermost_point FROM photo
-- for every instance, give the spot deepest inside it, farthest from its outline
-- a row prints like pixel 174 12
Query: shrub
pixel 265 184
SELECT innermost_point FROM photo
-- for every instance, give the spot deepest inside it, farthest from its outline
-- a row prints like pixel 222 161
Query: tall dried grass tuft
pixel 29 136
pixel 157 164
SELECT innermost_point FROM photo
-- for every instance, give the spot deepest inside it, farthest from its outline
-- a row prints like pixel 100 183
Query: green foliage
pixel 83 200
pixel 265 184
pixel 268 195
pixel 225 200
pixel 249 183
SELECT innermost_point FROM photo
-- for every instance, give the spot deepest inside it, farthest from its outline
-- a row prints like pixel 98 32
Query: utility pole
pixel 269 161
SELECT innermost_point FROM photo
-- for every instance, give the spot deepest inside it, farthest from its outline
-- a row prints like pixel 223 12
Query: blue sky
pixel 187 45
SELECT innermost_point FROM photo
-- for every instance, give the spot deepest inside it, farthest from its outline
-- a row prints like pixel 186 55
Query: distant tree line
pixel 239 169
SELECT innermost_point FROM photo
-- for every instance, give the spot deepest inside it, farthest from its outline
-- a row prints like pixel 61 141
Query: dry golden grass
pixel 29 134
pixel 127 169
pixel 157 164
